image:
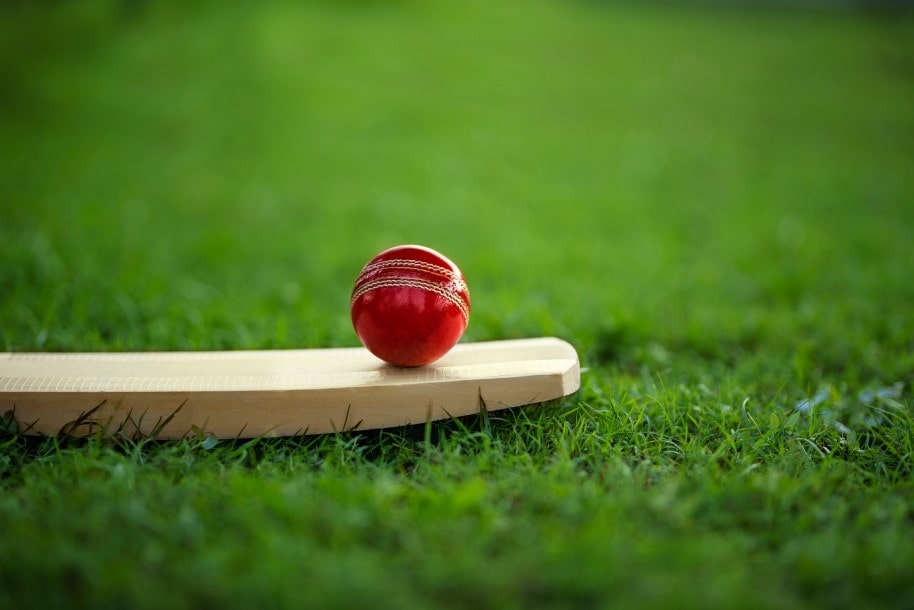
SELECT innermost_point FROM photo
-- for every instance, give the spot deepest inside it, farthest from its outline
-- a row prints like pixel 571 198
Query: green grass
pixel 715 205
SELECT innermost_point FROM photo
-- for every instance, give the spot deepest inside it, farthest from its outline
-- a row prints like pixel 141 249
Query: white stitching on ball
pixel 413 265
pixel 411 282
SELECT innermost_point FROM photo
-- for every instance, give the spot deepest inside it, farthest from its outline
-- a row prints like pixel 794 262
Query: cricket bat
pixel 246 394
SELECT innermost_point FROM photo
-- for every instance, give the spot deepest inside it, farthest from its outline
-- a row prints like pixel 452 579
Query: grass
pixel 713 204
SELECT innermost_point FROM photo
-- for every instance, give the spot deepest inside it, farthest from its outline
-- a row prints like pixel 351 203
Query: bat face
pixel 247 394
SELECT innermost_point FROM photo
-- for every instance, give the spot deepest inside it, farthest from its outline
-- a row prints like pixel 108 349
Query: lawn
pixel 714 204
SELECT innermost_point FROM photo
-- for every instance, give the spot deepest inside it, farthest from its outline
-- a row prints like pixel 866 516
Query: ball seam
pixel 411 282
pixel 412 265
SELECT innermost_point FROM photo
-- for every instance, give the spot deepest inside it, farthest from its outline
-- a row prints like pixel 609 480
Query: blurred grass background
pixel 200 177
pixel 711 201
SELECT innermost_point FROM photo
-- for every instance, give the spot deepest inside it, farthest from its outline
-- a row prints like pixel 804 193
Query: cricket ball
pixel 410 305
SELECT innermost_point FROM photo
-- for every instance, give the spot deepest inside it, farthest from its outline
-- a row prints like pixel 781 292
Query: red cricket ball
pixel 410 305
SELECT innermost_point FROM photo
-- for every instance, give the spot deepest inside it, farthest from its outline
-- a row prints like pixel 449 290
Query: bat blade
pixel 274 392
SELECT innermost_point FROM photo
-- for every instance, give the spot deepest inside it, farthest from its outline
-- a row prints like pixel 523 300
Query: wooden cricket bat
pixel 247 394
